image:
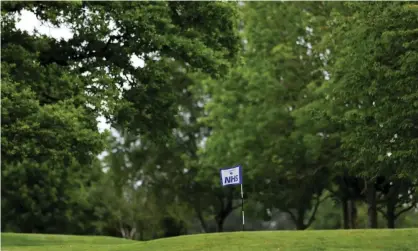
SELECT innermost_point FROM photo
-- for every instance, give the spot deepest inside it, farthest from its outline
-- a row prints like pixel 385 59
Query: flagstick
pixel 242 207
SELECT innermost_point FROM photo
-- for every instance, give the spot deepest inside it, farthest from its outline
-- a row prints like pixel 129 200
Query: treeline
pixel 317 101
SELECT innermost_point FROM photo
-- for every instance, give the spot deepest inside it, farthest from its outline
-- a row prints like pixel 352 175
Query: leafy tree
pixel 53 90
pixel 47 150
pixel 251 113
pixel 47 198
pixel 399 196
pixel 374 81
pixel 107 34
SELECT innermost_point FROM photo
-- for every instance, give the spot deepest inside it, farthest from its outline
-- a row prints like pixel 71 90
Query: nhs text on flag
pixel 231 176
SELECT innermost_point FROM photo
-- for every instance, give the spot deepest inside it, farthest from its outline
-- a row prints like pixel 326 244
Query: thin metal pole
pixel 242 207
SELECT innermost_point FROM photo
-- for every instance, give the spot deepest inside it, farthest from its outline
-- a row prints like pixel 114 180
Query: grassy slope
pixel 366 240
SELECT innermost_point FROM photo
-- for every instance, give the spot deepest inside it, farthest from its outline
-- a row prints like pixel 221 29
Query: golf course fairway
pixel 328 240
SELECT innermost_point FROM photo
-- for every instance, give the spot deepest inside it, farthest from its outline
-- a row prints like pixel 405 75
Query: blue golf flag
pixel 231 176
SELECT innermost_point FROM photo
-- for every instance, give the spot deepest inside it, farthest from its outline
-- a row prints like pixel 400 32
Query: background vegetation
pixel 317 101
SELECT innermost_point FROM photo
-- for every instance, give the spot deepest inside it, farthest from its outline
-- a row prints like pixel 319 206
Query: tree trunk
pixel 128 234
pixel 390 208
pixel 300 220
pixel 202 221
pixel 352 214
pixel 391 218
pixel 344 205
pixel 123 232
pixel 220 224
pixel 372 207
pixel 300 225
pixel 132 233
pixel 141 234
pixel 225 209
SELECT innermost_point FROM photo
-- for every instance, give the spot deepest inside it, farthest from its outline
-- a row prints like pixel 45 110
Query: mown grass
pixel 337 240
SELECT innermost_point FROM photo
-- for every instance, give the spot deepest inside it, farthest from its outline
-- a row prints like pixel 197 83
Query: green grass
pixel 341 240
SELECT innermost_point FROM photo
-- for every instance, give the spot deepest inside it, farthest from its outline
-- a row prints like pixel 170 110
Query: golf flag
pixel 231 176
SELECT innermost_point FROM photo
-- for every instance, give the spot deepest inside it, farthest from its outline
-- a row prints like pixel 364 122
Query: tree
pixel 399 196
pixel 137 204
pixel 54 90
pixel 373 79
pixel 251 112
pixel 47 152
pixel 47 198
pixel 106 35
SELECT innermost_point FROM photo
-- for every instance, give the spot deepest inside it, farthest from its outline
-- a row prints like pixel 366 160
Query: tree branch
pixel 404 210
pixel 318 202
pixel 201 218
pixel 121 229
pixel 132 233
pixel 380 209
pixel 229 201
pixel 292 215
pixel 221 201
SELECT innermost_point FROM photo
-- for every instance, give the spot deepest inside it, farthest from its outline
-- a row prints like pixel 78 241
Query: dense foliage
pixel 317 101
